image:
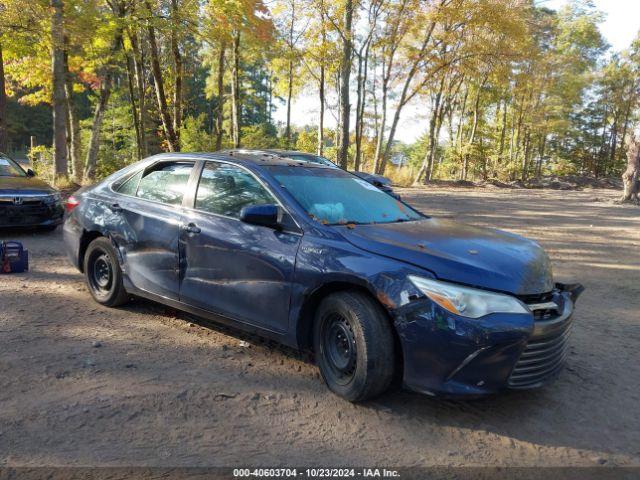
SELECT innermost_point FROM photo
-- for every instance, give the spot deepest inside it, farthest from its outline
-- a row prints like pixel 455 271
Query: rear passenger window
pixel 225 189
pixel 166 182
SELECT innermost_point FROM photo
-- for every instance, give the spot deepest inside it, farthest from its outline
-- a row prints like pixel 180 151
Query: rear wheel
pixel 354 346
pixel 102 273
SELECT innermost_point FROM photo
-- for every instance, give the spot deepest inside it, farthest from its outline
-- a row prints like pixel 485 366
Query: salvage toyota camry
pixel 316 258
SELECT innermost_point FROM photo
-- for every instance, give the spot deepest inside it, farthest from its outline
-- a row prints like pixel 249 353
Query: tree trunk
pixel 543 145
pixel 503 130
pixel 363 103
pixel 383 121
pixel 321 87
pixel 167 124
pixel 433 133
pixel 474 127
pixel 73 133
pixel 359 100
pixel 94 141
pixel 177 61
pixel 463 114
pixel 527 151
pixel 631 176
pixel 625 124
pixel 287 132
pixel 138 63
pixel 515 137
pixel 4 140
pixel 132 100
pixel 603 142
pixel 220 106
pixel 59 100
pixel 363 69
pixel 345 74
pixel 235 90
pixel 426 168
pixel 320 148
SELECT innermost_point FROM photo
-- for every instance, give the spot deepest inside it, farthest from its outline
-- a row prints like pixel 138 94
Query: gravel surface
pixel 144 385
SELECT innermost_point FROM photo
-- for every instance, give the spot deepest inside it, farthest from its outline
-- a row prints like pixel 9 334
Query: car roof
pixel 241 156
pixel 279 151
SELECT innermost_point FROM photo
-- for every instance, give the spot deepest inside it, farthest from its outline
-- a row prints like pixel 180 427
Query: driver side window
pixel 225 189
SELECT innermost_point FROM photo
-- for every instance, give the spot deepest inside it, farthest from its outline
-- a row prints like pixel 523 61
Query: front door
pixel 232 268
pixel 150 216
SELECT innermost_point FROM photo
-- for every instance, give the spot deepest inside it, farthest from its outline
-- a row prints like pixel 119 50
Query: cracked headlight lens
pixel 465 301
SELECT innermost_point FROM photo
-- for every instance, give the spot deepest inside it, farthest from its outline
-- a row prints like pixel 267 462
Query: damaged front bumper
pixel 450 355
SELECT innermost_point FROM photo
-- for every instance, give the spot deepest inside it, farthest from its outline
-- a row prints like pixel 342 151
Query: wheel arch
pixel 304 325
pixel 86 238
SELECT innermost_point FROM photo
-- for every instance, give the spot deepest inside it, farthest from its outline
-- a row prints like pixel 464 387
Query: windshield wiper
pixel 350 222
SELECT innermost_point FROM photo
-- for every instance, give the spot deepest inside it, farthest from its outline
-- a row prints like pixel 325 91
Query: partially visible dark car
pixel 26 201
pixel 380 181
pixel 316 258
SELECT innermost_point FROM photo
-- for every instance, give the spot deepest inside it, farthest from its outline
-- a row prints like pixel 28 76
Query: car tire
pixel 354 346
pixel 103 274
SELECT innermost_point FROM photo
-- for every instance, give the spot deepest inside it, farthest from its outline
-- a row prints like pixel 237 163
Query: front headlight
pixel 465 301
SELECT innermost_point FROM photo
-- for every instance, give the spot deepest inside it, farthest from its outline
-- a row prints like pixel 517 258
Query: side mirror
pixel 265 215
pixel 30 173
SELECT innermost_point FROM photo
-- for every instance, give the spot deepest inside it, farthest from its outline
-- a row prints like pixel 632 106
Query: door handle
pixel 114 207
pixel 191 228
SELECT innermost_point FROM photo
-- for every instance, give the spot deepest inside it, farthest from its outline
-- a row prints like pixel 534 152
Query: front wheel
pixel 354 346
pixel 102 273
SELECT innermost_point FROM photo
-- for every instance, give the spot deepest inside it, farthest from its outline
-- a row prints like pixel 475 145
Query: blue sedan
pixel 319 259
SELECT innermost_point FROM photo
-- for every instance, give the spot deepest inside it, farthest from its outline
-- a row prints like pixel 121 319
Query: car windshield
pixel 9 168
pixel 335 197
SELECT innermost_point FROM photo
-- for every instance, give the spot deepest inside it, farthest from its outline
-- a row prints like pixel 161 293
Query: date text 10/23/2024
pixel 316 472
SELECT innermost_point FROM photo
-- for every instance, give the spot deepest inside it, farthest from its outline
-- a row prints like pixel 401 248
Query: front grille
pixel 27 203
pixel 546 350
pixel 22 210
pixel 31 211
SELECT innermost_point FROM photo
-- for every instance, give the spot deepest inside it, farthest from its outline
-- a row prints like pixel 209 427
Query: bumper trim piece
pixel 465 362
pixel 546 350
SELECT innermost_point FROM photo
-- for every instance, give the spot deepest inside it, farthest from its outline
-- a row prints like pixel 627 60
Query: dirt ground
pixel 146 386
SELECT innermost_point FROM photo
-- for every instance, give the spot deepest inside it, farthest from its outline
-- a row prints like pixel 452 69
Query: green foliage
pixel 118 145
pixel 41 158
pixel 262 135
pixel 194 137
pixel 509 89
pixel 307 140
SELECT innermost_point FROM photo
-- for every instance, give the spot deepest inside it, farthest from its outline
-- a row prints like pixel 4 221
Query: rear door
pixel 150 214
pixel 232 268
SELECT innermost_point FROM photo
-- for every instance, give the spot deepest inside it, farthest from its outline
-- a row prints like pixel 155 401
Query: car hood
pixel 371 178
pixel 23 186
pixel 481 257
